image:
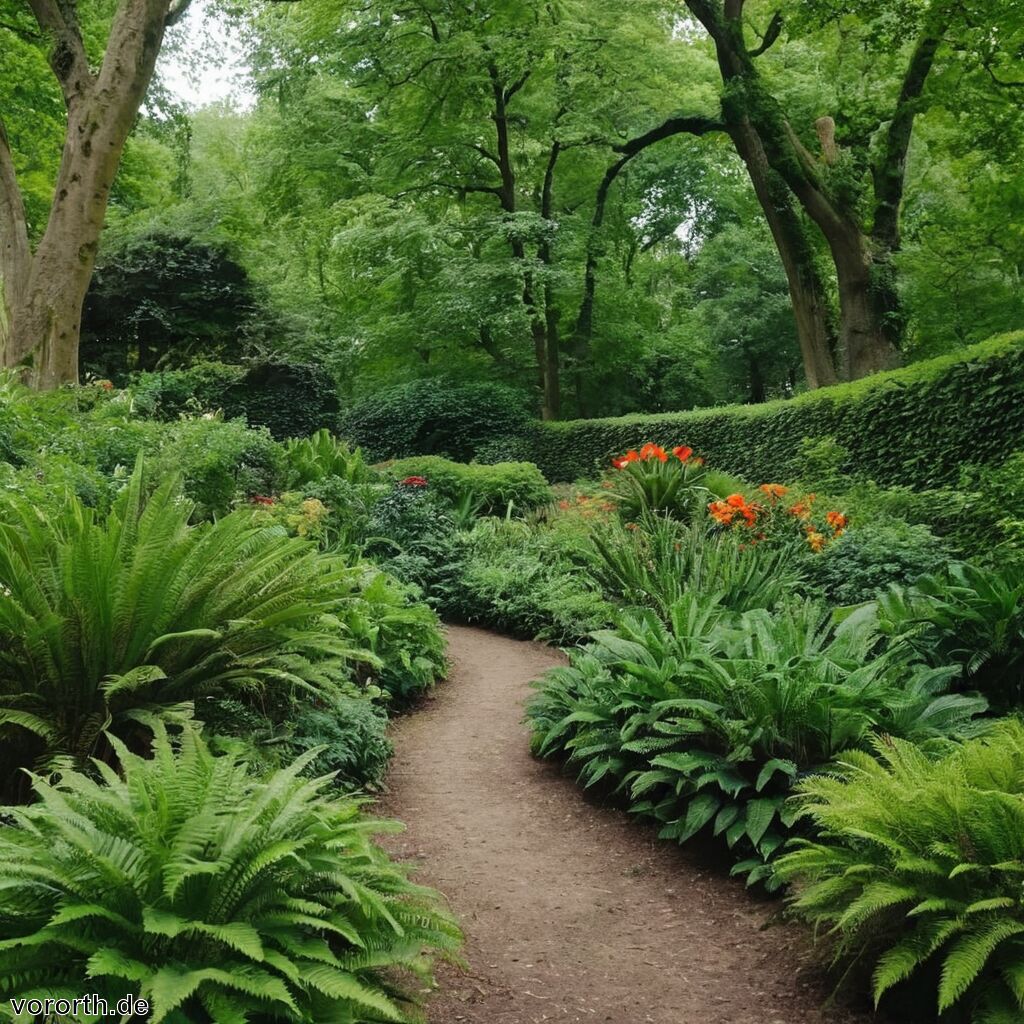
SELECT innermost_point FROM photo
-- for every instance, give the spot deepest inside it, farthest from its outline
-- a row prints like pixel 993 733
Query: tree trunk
pixel 44 291
pixel 811 309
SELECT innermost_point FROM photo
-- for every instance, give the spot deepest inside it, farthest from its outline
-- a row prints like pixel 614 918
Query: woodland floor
pixel 573 912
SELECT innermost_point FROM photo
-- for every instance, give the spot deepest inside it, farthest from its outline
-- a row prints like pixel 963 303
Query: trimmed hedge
pixel 916 426
pixel 437 416
pixel 495 485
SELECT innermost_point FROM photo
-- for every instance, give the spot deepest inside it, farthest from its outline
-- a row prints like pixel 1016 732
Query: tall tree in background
pixel 44 282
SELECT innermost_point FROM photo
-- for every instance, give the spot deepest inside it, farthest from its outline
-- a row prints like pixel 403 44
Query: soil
pixel 573 912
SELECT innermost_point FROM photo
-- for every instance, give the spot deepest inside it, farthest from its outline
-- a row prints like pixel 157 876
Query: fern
pixel 104 619
pixel 919 863
pixel 215 895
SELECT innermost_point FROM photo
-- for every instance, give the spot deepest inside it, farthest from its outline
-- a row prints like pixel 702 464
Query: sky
pixel 203 64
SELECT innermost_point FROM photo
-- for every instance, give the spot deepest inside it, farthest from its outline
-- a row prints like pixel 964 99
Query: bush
pixel 315 458
pixel 918 870
pixel 653 481
pixel 867 559
pixel 289 399
pixel 528 581
pixel 911 427
pixel 214 895
pixel 492 487
pixel 970 616
pixel 102 619
pixel 436 417
pixel 705 721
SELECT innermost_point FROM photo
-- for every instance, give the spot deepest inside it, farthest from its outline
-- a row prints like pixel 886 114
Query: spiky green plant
pixel 918 869
pixel 657 563
pixel 101 618
pixel 217 896
pixel 705 721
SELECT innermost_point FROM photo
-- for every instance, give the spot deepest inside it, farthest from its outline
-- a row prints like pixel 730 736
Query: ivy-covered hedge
pixel 915 426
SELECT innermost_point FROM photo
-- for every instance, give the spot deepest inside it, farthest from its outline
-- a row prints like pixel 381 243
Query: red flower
pixel 414 481
pixel 682 452
pixel 262 499
pixel 624 460
pixel 653 451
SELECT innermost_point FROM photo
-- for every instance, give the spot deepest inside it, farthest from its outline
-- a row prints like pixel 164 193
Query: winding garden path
pixel 573 912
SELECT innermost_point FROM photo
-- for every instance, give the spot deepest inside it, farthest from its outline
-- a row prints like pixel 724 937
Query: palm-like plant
pixel 706 721
pixel 101 619
pixel 214 895
pixel 918 868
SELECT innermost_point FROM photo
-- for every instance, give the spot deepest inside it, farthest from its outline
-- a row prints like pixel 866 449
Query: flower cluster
pixel 651 451
pixel 263 499
pixel 414 481
pixel 769 518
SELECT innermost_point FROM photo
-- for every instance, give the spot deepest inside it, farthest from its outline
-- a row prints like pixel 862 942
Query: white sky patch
pixel 203 63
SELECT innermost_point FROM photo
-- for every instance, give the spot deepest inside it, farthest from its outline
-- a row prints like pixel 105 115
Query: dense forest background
pixel 561 196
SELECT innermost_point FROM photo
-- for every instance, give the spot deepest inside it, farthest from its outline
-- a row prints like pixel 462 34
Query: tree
pixel 44 281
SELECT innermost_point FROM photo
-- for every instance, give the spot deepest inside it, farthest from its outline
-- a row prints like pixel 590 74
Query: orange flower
pixel 653 451
pixel 563 505
pixel 816 540
pixel 837 521
pixel 721 512
pixel 698 461
pixel 624 460
pixel 802 509
pixel 736 500
pixel 682 452
pixel 774 491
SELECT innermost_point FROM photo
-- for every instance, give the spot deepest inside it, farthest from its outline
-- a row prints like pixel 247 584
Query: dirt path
pixel 572 912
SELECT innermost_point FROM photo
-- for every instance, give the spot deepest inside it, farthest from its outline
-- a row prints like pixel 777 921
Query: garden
pixel 511 511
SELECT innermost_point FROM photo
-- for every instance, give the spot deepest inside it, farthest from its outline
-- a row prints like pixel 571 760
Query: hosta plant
pixel 969 615
pixel 215 895
pixel 917 869
pixel 103 618
pixel 704 722
pixel 653 480
pixel 311 459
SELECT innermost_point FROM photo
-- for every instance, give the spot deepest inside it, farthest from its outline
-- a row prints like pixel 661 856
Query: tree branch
pixel 694 125
pixel 68 60
pixel 771 34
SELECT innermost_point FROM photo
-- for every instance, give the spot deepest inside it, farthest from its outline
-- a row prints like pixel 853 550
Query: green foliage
pixel 917 869
pixel 656 565
pixel 313 459
pixel 214 895
pixel 104 619
pixel 703 721
pixel 911 427
pixel 995 523
pixel 435 417
pixel 971 616
pixel 495 486
pixel 656 483
pixel 163 299
pixel 402 635
pixel 525 580
pixel 867 559
pixel 289 399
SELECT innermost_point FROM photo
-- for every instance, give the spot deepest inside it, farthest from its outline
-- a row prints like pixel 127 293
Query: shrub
pixel 493 487
pixel 910 427
pixel 103 619
pixel 529 581
pixel 870 558
pixel 917 868
pixel 214 895
pixel 436 417
pixel 970 616
pixel 403 635
pixel 289 399
pixel 704 722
